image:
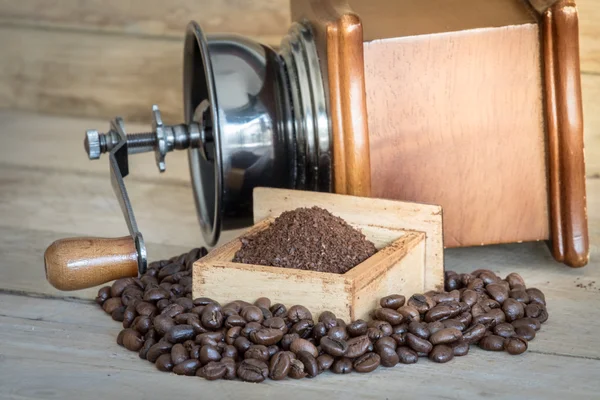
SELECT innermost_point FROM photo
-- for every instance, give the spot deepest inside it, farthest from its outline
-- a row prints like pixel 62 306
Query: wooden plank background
pixel 102 58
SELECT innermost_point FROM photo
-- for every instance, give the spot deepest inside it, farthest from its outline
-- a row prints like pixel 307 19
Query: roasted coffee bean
pixel 143 324
pixel 164 362
pixel 229 351
pixel 232 334
pixel 338 333
pixel 465 318
pixel 420 329
pixel 386 349
pixel 263 302
pixel 393 317
pixel 475 284
pixel 418 344
pixel 488 277
pixel 103 295
pixel 303 345
pixel 514 279
pixel 188 344
pixel 145 308
pixel 319 331
pixel 531 322
pixel 526 332
pixel 367 362
pixel 441 353
pixel 252 314
pixel 287 340
pixel 179 354
pixel 443 297
pixel 303 328
pixel 400 328
pixel 452 281
pixel 536 296
pixel 374 334
pixel 520 295
pixel 231 366
pixel 407 355
pixel 474 333
pixel 132 340
pixel 227 311
pixel 168 270
pixel 279 366
pixel 172 310
pixel 210 338
pixel 334 347
pixel 209 353
pixel 488 304
pixel 399 338
pixel 328 319
pixel 504 329
pixel 532 310
pixel 324 361
pixel 235 320
pixel 515 345
pixel 112 304
pixel 250 327
pixel 454 323
pixel 497 292
pixel 342 366
pixel 149 281
pixel 357 346
pixel 242 344
pixel 297 313
pixel 275 323
pixel 444 336
pixel 119 286
pixel 144 350
pixel 297 369
pixel 266 313
pixel 278 310
pixel 513 309
pixel 460 348
pixel 310 363
pixel 128 316
pixel 183 318
pixel 492 343
pixel 266 336
pixel 118 314
pixel 195 351
pixel 393 301
pixel 204 301
pixel 357 328
pixel 211 317
pixel 213 371
pixel 258 352
pixel 187 367
pixel 421 303
pixel 186 303
pixel 470 297
pixel 383 326
pixel 443 311
pixel 180 333
pixel 161 347
pixel 155 294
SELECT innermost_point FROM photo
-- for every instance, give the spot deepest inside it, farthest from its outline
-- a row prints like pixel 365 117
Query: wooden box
pixel 410 257
pixel 474 105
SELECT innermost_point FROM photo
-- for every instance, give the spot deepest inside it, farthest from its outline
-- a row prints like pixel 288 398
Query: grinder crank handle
pixel 79 263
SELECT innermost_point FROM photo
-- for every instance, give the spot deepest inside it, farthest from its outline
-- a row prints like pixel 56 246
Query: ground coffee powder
pixel 308 239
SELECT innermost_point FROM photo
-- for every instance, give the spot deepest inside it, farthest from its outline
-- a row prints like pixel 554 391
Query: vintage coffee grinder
pixel 472 105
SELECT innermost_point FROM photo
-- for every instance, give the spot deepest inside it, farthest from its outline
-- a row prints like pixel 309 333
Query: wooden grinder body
pixel 473 105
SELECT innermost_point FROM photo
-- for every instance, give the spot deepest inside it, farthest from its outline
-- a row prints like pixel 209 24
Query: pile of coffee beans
pixel 307 238
pixel 260 340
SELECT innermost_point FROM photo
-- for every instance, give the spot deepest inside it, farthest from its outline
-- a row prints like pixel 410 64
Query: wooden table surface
pixel 62 345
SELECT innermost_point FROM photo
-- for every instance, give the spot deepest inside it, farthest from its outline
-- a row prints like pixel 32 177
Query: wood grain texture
pixel 569 230
pixel 486 168
pixel 589 31
pixel 365 212
pixel 590 87
pixel 81 263
pixel 339 37
pixel 265 20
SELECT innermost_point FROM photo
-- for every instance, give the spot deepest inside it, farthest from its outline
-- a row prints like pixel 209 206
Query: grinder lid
pixel 200 106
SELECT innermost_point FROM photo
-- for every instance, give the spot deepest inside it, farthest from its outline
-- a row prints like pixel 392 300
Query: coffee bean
pixel 242 344
pixel 229 351
pixel 407 355
pixel 143 324
pixel 520 295
pixel 287 340
pixel 409 313
pixel 324 361
pixel 474 333
pixel 374 334
pixel 399 338
pixel 334 347
pixel 492 343
pixel 319 331
pixel 419 328
pixel 232 334
pixel 470 297
pixel 444 336
pixel 180 333
pixel 421 303
pixel 536 296
pixel 213 371
pixel 504 329
pixel 279 366
pixel 263 302
pixel 297 369
pixel 515 345
pixel 275 323
pixel 441 353
pixel 132 340
pixel 453 323
pixel 383 326
pixel 119 286
pixel 328 319
pixel 357 328
pixel 252 314
pixel 303 328
pixel 476 284
pixel 183 318
pixel 514 279
pixel 155 294
pixel 465 318
pixel 488 277
pixel 195 351
pixel 257 351
pixel 211 317
pixel 168 270
pixel 231 368
pixel 250 327
pixel 513 309
pixel 161 347
pixel 164 362
pixel 209 353
pixel 497 292
pixel 172 310
pixel 433 327
pixel 460 348
pixel 443 311
pixel 266 336
pixel 187 367
pixel 310 363
pixel 387 352
pixel 212 338
pixel 128 316
pixel 204 301
pixel 367 362
pixel 145 308
pixel 304 345
pixel 297 313
pixel 144 350
pixel 531 322
pixel 452 281
pixel 393 317
pixel 393 301
pixel 526 332
pixel 103 295
pixel 338 333
pixel 418 344
pixel 278 310
pixel 179 354
pixel 112 304
pixel 533 310
pixel 342 366
pixel 117 314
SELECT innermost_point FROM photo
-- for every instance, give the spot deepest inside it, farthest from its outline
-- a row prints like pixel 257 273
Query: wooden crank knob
pixel 79 263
